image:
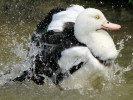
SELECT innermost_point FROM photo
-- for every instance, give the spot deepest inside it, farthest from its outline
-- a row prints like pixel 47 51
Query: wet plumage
pixel 70 46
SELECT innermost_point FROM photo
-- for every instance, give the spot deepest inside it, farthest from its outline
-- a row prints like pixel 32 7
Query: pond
pixel 16 29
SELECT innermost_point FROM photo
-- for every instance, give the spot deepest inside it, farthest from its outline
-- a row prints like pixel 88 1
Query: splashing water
pixel 115 75
pixel 15 67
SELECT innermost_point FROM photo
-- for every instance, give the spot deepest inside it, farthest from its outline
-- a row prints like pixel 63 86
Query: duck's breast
pixel 102 45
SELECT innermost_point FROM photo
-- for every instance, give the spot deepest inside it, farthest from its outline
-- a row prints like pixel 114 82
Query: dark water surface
pixel 16 28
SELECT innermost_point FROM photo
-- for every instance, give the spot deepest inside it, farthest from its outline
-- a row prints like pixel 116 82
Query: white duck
pixel 72 59
pixel 88 30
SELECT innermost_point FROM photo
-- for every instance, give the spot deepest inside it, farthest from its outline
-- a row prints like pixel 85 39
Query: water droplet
pixel 101 2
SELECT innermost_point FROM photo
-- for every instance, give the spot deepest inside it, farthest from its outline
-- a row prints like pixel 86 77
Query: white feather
pixel 80 78
pixel 61 18
pixel 98 42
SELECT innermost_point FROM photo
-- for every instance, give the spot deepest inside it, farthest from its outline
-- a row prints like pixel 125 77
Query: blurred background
pixel 35 10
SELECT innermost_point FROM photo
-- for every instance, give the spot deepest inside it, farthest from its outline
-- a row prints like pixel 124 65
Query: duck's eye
pixel 97 17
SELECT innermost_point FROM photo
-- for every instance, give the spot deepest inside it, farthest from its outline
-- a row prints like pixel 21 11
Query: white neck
pixel 99 42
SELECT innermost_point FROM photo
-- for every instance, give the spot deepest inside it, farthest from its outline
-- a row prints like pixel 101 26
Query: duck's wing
pixel 56 20
pixel 69 15
pixel 43 25
pixel 53 35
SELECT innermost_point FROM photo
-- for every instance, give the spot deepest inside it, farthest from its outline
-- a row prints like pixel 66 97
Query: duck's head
pixel 88 29
pixel 92 20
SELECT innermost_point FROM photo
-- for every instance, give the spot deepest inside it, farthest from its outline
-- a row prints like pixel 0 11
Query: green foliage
pixel 131 2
